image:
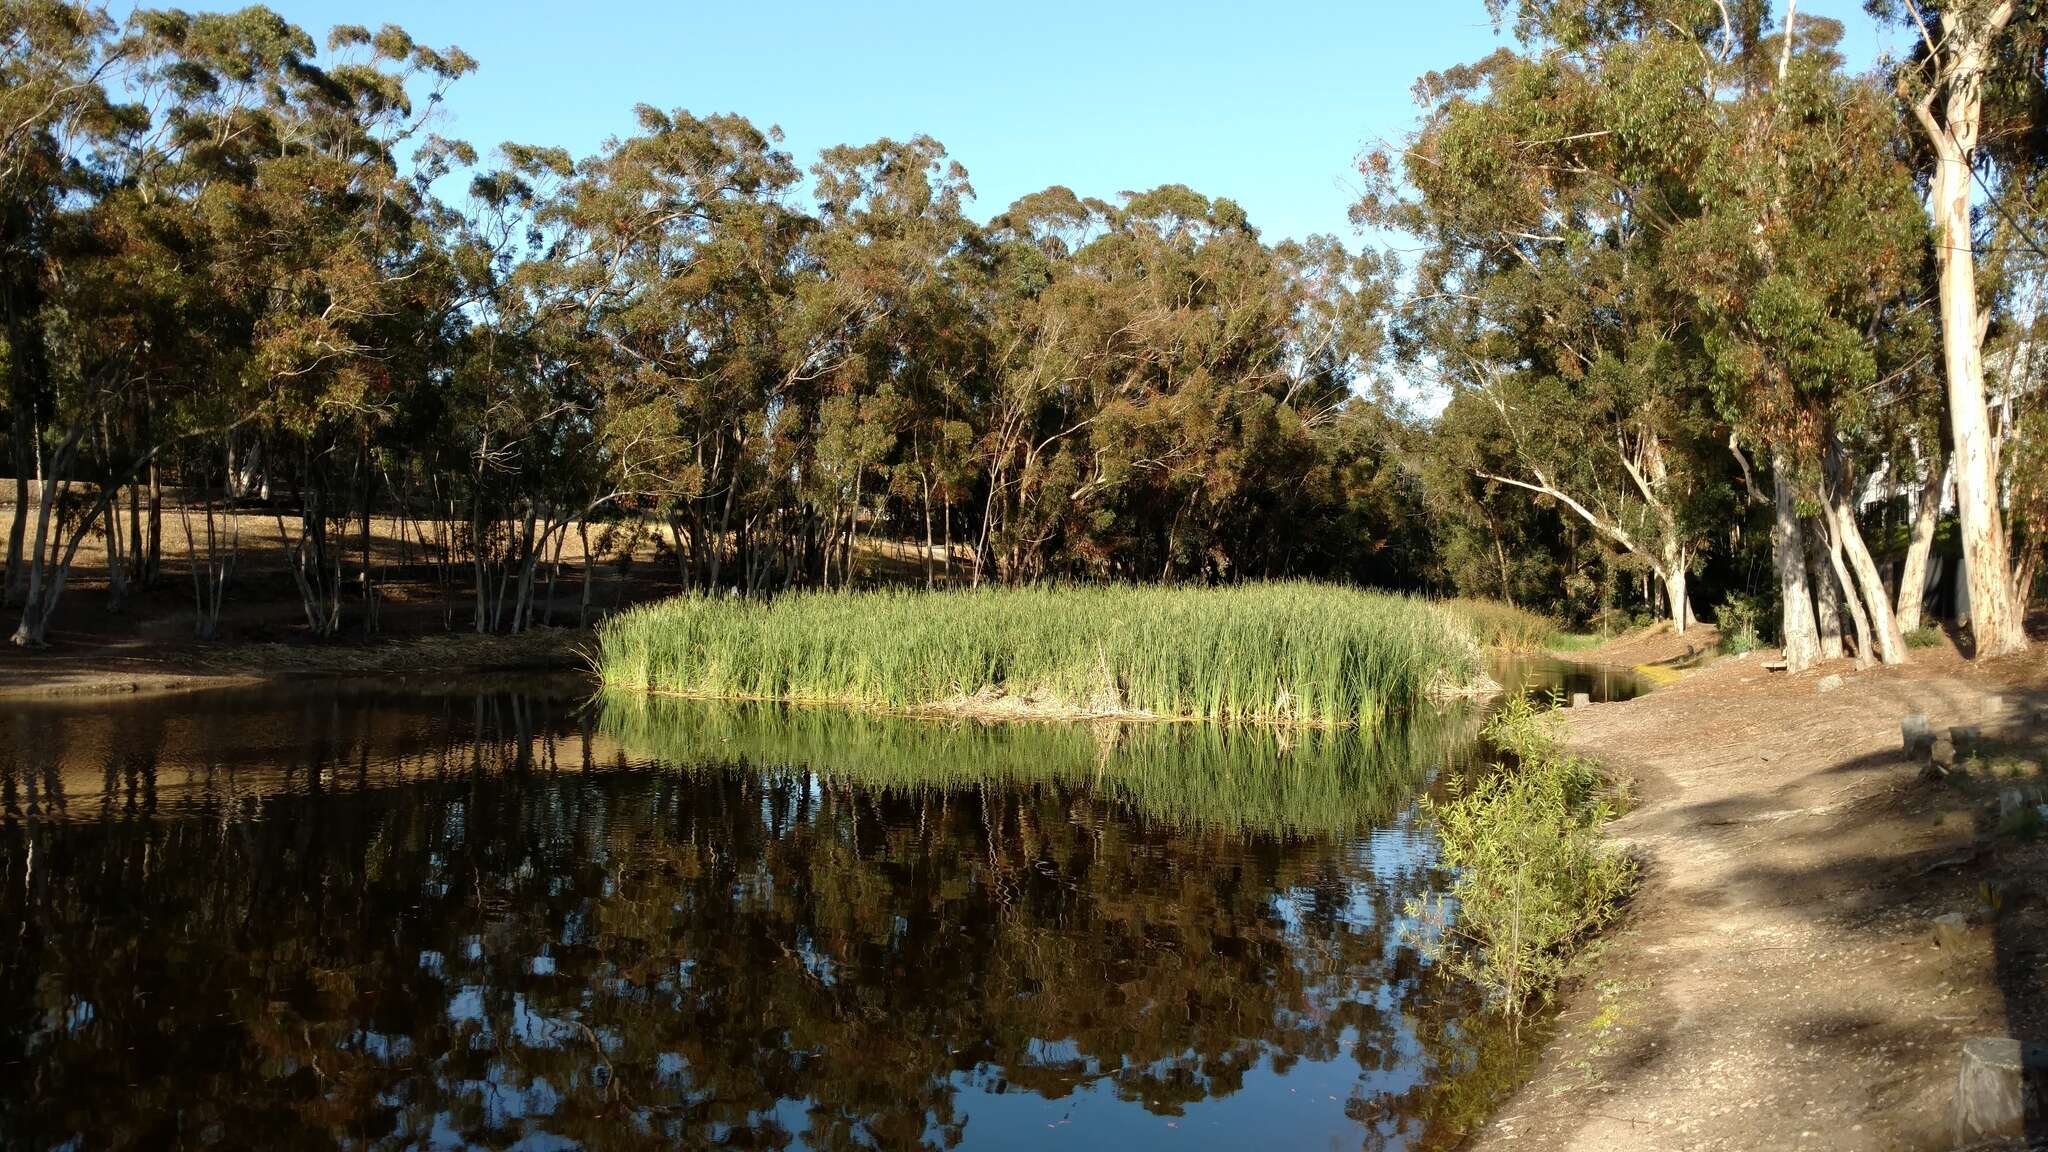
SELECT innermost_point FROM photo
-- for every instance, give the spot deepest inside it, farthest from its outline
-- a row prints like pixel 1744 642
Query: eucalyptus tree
pixel 57 61
pixel 322 241
pixel 1977 65
pixel 1540 300
pixel 1810 242
pixel 890 304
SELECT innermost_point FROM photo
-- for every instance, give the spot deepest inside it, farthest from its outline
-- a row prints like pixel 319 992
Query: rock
pixel 1966 737
pixel 1942 753
pixel 1999 1090
pixel 1769 754
pixel 1917 734
pixel 1951 931
pixel 2011 803
pixel 1581 699
pixel 1829 682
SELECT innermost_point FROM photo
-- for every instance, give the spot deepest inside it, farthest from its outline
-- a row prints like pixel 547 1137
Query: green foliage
pixel 1532 880
pixel 1737 618
pixel 1275 652
pixel 1925 636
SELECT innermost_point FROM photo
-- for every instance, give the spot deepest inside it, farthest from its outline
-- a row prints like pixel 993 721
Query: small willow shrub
pixel 1737 619
pixel 1532 881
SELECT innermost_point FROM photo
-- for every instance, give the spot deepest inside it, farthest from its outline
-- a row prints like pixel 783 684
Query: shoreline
pixel 994 706
pixel 100 671
pixel 1775 982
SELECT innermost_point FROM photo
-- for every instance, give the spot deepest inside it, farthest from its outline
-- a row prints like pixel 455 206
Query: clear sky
pixel 1266 102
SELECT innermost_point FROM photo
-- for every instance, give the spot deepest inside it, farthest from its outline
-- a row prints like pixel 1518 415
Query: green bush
pixel 1294 653
pixel 1925 636
pixel 1737 618
pixel 1532 882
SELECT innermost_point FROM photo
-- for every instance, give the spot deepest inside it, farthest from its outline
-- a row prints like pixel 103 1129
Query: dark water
pixel 499 916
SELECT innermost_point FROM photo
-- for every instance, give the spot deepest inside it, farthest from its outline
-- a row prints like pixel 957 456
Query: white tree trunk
pixel 1863 581
pixel 1919 546
pixel 1968 32
pixel 1788 551
pixel 1827 597
pixel 1675 593
pixel 1865 646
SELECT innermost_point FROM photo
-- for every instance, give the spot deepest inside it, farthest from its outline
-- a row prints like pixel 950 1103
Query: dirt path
pixel 1776 984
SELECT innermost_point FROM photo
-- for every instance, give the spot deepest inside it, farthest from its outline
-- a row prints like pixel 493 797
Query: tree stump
pixel 1942 753
pixel 1966 737
pixel 1581 699
pixel 1999 1090
pixel 1917 735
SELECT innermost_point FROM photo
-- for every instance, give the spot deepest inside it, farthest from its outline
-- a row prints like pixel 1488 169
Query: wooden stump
pixel 1917 735
pixel 1581 699
pixel 1942 753
pixel 1966 737
pixel 1999 1090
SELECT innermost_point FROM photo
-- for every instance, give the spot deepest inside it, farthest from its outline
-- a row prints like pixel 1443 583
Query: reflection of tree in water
pixel 520 943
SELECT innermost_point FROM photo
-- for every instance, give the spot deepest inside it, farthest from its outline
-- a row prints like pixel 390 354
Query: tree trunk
pixel 589 563
pixel 17 530
pixel 1827 597
pixel 1678 600
pixel 154 564
pixel 1788 552
pixel 1913 577
pixel 1968 32
pixel 1864 581
pixel 1866 645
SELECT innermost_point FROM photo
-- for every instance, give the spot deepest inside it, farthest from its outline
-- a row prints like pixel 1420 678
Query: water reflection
pixel 382 918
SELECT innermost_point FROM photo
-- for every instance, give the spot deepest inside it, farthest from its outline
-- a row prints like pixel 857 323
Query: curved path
pixel 1776 985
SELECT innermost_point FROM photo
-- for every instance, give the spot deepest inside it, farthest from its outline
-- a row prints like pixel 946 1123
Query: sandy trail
pixel 1776 984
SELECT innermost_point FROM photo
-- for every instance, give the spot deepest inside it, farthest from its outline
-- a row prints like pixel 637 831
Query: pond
pixel 500 915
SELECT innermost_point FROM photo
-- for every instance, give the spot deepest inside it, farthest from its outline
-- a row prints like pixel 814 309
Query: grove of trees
pixel 1700 302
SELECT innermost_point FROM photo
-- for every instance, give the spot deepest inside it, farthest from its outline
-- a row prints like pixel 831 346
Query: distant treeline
pixel 231 272
pixel 1675 282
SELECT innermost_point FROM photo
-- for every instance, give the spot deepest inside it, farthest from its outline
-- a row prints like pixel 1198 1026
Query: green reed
pixel 1503 626
pixel 1290 653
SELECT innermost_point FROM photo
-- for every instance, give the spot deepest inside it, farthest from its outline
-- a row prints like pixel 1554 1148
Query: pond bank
pixel 1776 984
pixel 108 669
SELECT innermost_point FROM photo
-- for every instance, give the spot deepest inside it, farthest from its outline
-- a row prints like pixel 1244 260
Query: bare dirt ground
pixel 149 646
pixel 1777 984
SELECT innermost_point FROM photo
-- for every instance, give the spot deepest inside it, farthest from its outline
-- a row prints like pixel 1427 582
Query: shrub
pixel 1532 881
pixel 1737 618
pixel 1925 636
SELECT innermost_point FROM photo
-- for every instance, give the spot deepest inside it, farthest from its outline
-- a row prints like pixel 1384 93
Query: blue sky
pixel 1264 102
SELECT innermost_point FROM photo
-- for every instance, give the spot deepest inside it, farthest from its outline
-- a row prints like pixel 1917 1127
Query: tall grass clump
pixel 1504 626
pixel 1271 652
pixel 1531 880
